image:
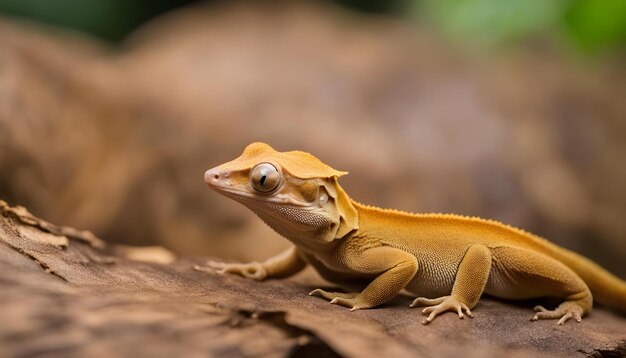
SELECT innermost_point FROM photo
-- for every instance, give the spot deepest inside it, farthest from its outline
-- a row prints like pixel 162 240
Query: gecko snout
pixel 213 176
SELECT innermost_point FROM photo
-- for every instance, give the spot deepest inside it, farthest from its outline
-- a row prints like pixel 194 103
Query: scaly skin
pixel 448 261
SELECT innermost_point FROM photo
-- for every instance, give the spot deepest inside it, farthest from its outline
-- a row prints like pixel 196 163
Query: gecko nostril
pixel 212 176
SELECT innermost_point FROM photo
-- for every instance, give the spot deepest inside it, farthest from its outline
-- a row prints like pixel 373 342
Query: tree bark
pixel 64 292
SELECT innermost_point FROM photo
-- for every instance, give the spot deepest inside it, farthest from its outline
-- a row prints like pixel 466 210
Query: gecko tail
pixel 606 288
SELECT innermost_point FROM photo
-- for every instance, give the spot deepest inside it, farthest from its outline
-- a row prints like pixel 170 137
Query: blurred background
pixel 111 111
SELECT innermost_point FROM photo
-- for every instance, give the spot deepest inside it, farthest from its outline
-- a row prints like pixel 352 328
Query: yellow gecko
pixel 447 260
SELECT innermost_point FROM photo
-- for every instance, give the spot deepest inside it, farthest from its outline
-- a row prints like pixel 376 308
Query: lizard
pixel 448 261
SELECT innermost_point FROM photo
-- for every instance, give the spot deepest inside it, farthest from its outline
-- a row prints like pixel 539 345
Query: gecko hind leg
pixel 528 271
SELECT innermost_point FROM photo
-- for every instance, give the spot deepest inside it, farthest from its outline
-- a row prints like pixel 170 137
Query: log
pixel 65 292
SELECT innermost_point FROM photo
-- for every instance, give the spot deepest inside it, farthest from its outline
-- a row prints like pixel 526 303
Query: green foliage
pixel 488 22
pixel 108 19
pixel 590 25
pixel 595 25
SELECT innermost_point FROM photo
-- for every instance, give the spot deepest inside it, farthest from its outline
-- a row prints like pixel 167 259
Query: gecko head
pixel 293 192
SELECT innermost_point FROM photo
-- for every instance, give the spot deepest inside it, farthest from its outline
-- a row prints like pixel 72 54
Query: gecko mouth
pixel 278 199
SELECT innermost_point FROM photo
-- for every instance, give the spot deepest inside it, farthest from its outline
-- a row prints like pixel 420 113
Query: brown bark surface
pixel 66 293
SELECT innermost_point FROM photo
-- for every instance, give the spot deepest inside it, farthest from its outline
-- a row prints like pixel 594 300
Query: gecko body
pixel 447 261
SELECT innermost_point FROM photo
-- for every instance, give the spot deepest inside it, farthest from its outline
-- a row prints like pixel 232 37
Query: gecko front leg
pixel 285 264
pixel 395 269
pixel 469 284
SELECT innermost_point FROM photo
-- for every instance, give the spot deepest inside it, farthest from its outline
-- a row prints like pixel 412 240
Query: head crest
pixel 297 163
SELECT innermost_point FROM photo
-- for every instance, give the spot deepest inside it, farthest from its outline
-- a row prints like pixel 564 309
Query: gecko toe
pixel 440 305
pixel 564 312
pixel 340 298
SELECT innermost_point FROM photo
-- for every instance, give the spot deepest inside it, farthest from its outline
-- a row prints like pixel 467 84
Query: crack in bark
pixel 41 264
pixel 616 352
pixel 308 343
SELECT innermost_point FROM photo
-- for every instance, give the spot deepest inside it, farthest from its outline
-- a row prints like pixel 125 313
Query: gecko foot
pixel 564 312
pixel 441 305
pixel 350 300
pixel 253 270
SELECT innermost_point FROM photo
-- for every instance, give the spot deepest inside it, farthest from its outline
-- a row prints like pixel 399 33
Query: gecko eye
pixel 264 177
